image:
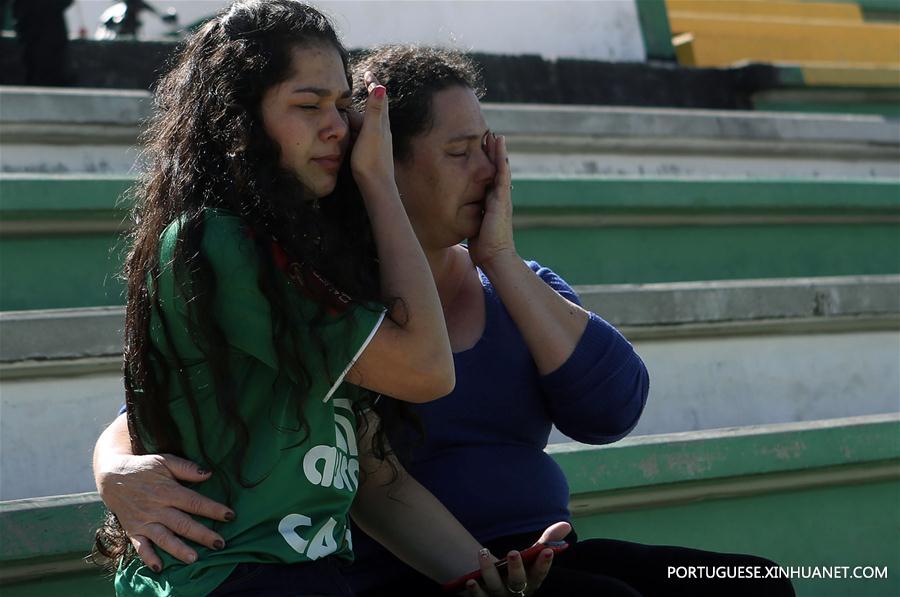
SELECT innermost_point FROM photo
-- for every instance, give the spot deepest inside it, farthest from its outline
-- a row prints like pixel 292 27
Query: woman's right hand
pixel 371 159
pixel 154 508
pixel 520 581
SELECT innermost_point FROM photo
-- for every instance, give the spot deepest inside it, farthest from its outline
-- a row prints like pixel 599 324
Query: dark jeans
pixel 322 578
pixel 610 568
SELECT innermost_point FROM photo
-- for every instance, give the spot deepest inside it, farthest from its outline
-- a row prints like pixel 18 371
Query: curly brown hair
pixel 206 148
pixel 412 75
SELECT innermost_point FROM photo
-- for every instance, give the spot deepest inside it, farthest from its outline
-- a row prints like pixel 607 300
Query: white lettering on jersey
pixel 353 470
pixel 348 427
pixel 322 544
pixel 329 455
pixel 287 528
pixel 338 467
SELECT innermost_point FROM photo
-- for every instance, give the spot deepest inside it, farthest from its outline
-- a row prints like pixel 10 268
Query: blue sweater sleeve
pixel 598 394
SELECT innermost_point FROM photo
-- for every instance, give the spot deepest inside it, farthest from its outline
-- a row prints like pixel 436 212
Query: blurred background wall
pixel 573 29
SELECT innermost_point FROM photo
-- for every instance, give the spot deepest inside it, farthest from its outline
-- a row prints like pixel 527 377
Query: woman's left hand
pixel 495 237
pixel 519 582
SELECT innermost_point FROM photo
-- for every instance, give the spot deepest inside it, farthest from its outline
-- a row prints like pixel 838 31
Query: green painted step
pixel 821 493
pixel 654 20
pixel 60 237
pixel 884 9
pixel 26 196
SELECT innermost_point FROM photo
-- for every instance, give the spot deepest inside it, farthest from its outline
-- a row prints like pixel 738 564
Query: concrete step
pixel 645 311
pixel 60 235
pixel 730 490
pixel 96 131
pixel 720 354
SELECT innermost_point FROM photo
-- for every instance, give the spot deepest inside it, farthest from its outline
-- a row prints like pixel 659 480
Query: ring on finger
pixel 519 592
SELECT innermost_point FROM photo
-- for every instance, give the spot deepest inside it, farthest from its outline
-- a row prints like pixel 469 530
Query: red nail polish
pixel 156 568
pixel 379 92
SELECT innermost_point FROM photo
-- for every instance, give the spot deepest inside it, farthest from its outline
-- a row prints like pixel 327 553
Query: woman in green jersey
pixel 275 288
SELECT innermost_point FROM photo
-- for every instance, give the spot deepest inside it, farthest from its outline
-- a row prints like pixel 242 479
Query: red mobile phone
pixel 527 555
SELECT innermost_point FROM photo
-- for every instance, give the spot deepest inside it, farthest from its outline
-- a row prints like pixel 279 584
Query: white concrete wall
pixel 708 383
pixel 602 29
pixel 62 159
pixel 90 130
pixel 755 380
pixel 48 426
pixel 662 162
pixel 47 432
pixel 552 161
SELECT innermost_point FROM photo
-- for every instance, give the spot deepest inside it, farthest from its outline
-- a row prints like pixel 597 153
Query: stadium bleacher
pixel 753 257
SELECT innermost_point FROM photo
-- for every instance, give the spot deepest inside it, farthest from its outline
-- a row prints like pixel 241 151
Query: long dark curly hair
pixel 205 147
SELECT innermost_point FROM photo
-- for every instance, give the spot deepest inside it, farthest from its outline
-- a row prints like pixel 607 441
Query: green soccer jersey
pixel 301 482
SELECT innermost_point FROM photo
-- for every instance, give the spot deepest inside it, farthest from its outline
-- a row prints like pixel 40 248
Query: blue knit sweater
pixel 483 452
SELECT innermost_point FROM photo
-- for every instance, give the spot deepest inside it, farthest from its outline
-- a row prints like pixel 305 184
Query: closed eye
pixel 458 155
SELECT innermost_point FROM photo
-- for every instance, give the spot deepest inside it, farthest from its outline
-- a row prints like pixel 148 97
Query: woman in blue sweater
pixel 527 356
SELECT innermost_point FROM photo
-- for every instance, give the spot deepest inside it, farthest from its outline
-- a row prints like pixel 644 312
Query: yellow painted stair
pixel 769 8
pixel 723 33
